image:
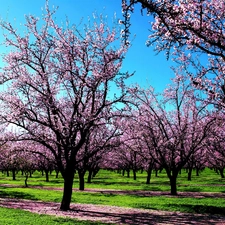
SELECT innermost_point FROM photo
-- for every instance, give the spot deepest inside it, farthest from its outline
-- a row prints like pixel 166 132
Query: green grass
pixel 183 204
pixel 21 217
pixel 208 181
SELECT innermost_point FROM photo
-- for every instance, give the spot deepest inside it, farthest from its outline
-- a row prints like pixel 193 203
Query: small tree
pixel 130 149
pixel 215 145
pixel 98 142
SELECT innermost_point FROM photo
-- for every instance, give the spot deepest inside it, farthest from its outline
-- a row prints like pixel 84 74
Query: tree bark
pixel 128 173
pixel 14 174
pixel 149 174
pixel 173 185
pixel 47 175
pixel 26 178
pixel 81 179
pixel 173 181
pixel 95 172
pixel 197 171
pixel 56 173
pixel 67 191
pixel 134 174
pixel 89 176
pixel 221 172
pixel 189 173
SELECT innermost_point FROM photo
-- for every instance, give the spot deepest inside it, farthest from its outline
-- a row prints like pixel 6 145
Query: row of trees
pixel 192 33
pixel 58 92
pixel 28 157
pixel 156 135
pixel 171 131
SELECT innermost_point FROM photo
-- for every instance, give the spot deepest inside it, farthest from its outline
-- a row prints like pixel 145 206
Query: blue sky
pixel 151 69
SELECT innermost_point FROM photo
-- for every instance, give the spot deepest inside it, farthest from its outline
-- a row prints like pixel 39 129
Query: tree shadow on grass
pixel 118 183
pixel 192 189
pixel 15 194
pixel 116 215
pixel 152 188
pixel 161 183
pixel 208 209
pixel 57 181
pixel 200 209
pixel 136 218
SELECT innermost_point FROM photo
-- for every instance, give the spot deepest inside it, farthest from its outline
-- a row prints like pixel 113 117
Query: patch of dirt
pixel 113 214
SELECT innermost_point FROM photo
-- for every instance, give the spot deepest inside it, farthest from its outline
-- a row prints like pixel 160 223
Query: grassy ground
pixel 208 181
pixel 23 217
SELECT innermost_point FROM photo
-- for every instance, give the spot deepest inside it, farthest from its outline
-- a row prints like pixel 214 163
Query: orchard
pixel 59 115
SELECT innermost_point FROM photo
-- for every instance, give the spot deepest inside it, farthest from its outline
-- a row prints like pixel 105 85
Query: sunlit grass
pixel 208 181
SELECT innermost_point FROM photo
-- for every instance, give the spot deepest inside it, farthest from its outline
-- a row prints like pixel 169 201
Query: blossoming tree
pixel 173 126
pixel 193 33
pixel 57 86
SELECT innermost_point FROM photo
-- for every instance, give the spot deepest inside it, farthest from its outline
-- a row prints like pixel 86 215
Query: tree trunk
pixel 134 174
pixel 95 172
pixel 128 173
pixel 26 178
pixel 149 173
pixel 189 173
pixel 57 174
pixel 46 175
pixel 14 174
pixel 89 176
pixel 81 179
pixel 173 185
pixel 221 172
pixel 67 190
pixel 197 172
pixel 173 181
